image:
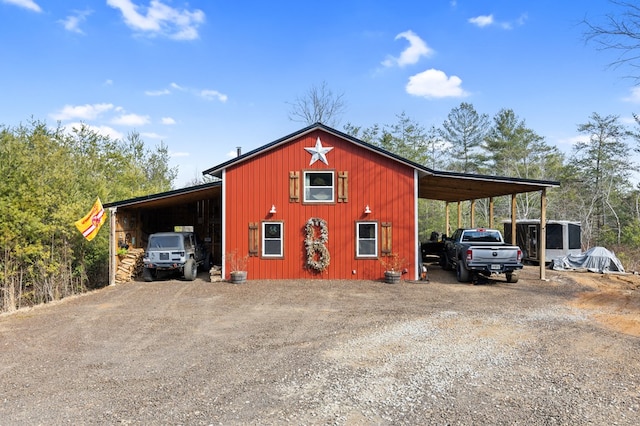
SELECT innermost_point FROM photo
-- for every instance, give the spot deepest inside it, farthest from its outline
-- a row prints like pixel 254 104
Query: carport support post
pixel 459 214
pixel 447 225
pixel 473 213
pixel 491 212
pixel 513 219
pixel 112 246
pixel 542 238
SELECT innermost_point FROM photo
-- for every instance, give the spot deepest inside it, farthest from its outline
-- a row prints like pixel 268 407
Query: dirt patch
pixel 613 299
pixel 328 352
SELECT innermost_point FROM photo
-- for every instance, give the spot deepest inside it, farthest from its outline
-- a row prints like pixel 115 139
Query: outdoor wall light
pixel 367 210
pixel 273 209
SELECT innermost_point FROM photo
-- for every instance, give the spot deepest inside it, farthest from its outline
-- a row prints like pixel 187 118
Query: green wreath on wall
pixel 318 257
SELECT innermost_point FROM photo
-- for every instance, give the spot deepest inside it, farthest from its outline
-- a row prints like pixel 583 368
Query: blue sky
pixel 208 76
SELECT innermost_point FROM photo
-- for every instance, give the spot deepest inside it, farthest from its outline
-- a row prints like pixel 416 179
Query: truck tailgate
pixel 495 254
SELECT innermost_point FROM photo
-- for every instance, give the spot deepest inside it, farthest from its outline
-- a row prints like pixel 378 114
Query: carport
pixel 452 187
pixel 133 220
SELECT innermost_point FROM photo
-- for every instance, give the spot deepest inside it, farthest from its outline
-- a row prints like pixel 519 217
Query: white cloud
pixel 628 120
pixel 26 4
pixel 213 94
pixel 412 54
pixel 435 84
pixel 161 92
pixel 131 120
pixel 168 121
pixel 178 154
pixel 151 135
pixel 207 94
pixel 160 19
pixel 482 20
pixel 72 22
pixel 82 112
pixel 634 97
pixel 572 141
pixel 522 19
pixel 487 20
pixel 101 130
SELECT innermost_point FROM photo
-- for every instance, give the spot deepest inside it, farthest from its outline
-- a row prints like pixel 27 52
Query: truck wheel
pixel 512 278
pixel 444 262
pixel 462 274
pixel 190 270
pixel 147 274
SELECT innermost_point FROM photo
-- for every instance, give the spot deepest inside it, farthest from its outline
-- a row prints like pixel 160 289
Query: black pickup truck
pixel 433 248
pixel 480 251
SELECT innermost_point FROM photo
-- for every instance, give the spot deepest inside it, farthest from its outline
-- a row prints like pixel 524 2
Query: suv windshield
pixel 165 241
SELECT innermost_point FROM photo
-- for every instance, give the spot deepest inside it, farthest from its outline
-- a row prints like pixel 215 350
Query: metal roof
pixel 452 187
pixel 433 184
pixel 163 199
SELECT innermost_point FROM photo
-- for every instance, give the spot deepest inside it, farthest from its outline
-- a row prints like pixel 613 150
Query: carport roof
pixel 433 184
pixel 163 199
pixel 452 187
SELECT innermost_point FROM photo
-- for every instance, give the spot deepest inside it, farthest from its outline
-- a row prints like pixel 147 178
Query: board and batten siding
pixel 256 184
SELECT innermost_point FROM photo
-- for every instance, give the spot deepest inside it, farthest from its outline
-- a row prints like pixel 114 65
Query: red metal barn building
pixel 314 204
pixel 319 204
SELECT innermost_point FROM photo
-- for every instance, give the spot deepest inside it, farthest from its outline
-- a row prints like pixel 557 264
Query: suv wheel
pixel 147 274
pixel 206 263
pixel 190 270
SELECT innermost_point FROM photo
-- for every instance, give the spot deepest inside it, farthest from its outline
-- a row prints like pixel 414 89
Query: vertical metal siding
pixel 254 185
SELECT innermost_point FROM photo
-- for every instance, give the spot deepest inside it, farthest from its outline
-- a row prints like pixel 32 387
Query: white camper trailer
pixel 563 238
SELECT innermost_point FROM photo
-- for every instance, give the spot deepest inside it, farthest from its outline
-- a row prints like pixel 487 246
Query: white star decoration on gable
pixel 318 152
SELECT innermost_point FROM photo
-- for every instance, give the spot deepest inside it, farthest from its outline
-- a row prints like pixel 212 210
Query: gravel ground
pixel 324 352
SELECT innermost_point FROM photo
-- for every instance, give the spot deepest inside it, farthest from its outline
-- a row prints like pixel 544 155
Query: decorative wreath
pixel 318 257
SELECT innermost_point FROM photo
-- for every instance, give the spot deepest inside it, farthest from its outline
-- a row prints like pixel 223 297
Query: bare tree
pixel 619 32
pixel 318 105
pixel 604 167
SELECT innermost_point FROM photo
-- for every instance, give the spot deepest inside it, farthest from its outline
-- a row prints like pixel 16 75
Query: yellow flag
pixel 91 223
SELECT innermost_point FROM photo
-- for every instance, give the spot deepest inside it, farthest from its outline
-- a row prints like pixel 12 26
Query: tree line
pixel 598 186
pixel 50 179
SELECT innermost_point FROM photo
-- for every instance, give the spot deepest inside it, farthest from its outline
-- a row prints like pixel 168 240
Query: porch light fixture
pixel 367 210
pixel 273 209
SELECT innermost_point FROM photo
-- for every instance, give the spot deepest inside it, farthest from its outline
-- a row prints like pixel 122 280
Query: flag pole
pixel 112 246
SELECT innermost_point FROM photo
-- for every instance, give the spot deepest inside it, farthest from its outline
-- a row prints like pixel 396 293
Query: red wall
pixel 387 186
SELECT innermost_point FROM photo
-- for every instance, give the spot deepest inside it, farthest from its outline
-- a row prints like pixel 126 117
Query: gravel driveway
pixel 320 352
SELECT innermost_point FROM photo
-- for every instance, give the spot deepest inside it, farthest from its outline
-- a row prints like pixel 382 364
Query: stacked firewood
pixel 215 274
pixel 130 265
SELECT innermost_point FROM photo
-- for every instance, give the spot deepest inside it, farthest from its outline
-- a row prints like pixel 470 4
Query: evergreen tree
pixel 464 130
pixel 514 150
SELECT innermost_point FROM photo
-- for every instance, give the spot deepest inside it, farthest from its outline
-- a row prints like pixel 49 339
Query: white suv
pixel 175 251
